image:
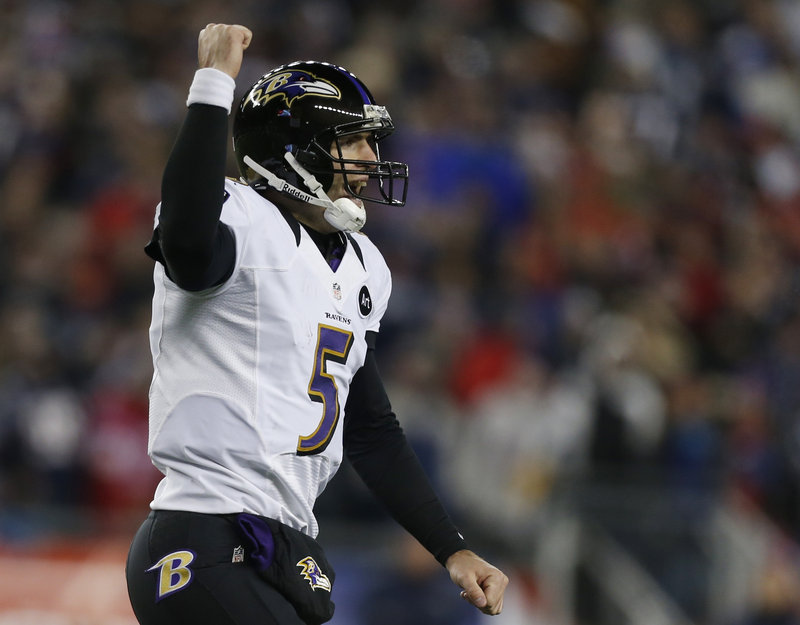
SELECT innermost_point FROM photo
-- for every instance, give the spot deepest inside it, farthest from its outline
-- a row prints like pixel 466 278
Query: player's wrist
pixel 212 86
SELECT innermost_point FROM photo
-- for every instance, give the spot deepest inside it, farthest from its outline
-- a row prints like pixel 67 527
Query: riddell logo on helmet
pixel 287 188
pixel 292 85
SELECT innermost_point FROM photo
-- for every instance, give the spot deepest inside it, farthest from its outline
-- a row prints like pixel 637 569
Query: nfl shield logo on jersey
pixel 337 290
pixel 238 555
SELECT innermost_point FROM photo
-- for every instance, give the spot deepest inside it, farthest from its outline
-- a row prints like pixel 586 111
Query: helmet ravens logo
pixel 313 574
pixel 292 85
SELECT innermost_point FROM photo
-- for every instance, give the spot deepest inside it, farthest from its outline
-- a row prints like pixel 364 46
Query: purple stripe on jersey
pixel 336 257
pixel 261 549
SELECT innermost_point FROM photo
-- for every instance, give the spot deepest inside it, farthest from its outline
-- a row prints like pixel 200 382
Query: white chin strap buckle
pixel 345 214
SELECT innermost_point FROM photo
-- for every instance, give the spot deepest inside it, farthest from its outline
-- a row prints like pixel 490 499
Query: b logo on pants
pixel 174 573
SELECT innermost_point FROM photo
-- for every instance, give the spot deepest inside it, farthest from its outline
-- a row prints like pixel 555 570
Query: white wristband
pixel 212 86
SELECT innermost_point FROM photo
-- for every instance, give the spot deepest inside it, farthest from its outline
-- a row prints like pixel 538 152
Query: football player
pixel 266 308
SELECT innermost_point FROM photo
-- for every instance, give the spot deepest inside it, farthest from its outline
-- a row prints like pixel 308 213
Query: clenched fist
pixel 483 584
pixel 221 46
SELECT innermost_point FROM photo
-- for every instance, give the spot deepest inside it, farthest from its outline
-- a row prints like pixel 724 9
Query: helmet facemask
pixel 387 182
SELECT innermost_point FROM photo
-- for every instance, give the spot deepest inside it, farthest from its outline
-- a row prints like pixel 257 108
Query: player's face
pixel 352 147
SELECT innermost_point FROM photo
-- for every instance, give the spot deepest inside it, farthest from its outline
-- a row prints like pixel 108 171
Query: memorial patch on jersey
pixel 174 573
pixel 313 574
pixel 364 301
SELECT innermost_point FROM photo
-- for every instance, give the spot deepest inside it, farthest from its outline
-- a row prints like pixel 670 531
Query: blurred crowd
pixel 596 277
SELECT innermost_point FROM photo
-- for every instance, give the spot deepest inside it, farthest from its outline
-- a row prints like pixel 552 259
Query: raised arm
pixel 197 250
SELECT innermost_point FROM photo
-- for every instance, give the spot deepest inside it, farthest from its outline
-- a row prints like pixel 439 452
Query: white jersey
pixel 251 377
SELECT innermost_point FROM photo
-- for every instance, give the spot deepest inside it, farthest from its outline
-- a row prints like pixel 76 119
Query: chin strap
pixel 343 214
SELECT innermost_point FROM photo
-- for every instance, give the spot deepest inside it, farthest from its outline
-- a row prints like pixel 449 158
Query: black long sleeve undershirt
pixel 379 452
pixel 197 250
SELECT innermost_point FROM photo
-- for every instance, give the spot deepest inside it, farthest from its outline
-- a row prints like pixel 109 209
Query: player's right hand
pixel 221 46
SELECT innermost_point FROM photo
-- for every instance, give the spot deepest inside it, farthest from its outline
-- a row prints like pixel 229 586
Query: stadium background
pixel 594 338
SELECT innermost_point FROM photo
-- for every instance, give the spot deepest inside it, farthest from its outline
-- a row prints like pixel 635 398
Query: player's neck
pixel 312 218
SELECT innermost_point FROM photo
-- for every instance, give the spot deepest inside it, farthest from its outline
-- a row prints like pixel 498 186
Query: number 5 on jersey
pixel 333 345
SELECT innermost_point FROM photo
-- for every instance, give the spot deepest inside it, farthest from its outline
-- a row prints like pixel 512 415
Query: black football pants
pixel 184 569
